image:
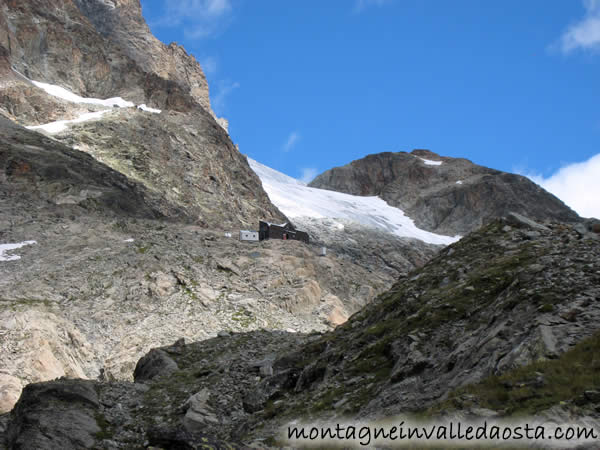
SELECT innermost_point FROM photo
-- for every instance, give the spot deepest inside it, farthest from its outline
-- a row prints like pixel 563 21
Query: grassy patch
pixel 141 249
pixel 243 318
pixel 14 304
pixel 191 294
pixel 105 430
pixel 517 393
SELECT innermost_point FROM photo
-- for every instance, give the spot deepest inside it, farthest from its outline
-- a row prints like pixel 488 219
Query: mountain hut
pixel 267 230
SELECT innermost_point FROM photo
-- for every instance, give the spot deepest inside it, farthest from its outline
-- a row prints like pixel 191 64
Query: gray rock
pixel 198 412
pixel 521 221
pixel 156 363
pixel 72 423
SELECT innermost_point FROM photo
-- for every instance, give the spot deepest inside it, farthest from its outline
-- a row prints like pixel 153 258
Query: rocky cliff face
pixel 121 21
pixel 517 300
pixel 442 194
pixel 98 49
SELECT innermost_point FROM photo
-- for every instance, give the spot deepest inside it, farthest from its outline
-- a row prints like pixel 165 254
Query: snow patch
pixel 430 162
pixel 7 247
pixel 65 94
pixel 143 107
pixel 459 182
pixel 108 3
pixel 129 240
pixel 61 125
pixel 295 199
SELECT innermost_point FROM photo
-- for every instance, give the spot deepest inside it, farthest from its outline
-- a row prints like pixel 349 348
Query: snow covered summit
pixel 295 199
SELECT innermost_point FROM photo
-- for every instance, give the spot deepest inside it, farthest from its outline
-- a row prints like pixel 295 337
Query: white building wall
pixel 248 235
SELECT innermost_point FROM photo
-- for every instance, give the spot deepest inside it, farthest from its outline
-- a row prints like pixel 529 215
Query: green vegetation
pixel 15 303
pixel 535 387
pixel 243 317
pixel 143 249
pixel 191 294
pixel 105 431
pixel 329 397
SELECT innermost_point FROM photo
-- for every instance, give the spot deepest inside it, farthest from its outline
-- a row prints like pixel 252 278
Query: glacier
pixel 295 199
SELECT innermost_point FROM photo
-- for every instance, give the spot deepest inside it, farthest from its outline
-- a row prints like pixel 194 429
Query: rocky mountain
pixel 513 306
pixel 116 220
pixel 131 315
pixel 442 194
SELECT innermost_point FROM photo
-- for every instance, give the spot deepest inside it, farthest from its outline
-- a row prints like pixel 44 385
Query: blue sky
pixel 310 85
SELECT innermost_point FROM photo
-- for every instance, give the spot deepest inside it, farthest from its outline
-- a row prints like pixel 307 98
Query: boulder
pixel 72 423
pixel 154 364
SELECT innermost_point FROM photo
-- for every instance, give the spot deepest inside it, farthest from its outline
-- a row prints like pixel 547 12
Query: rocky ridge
pixel 442 194
pixel 505 297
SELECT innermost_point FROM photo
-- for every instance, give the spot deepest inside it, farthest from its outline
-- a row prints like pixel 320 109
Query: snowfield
pixel 295 199
pixel 65 94
pixel 7 247
pixel 143 107
pixel 429 162
pixel 60 92
pixel 61 125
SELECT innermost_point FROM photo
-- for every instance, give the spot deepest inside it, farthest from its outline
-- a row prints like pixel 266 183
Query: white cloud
pixel 223 89
pixel 308 174
pixel 199 18
pixel 292 140
pixel 584 34
pixel 577 185
pixel 361 5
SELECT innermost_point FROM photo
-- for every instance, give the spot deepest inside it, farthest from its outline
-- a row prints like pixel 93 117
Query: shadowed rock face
pixel 40 174
pixel 454 197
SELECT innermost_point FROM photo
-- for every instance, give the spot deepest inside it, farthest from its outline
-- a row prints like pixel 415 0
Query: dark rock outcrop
pixel 155 364
pixel 59 414
pixel 453 197
pixel 38 174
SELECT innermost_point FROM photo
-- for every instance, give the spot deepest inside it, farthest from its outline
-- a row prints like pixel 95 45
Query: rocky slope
pixel 510 300
pixel 121 21
pixel 441 194
pixel 90 297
